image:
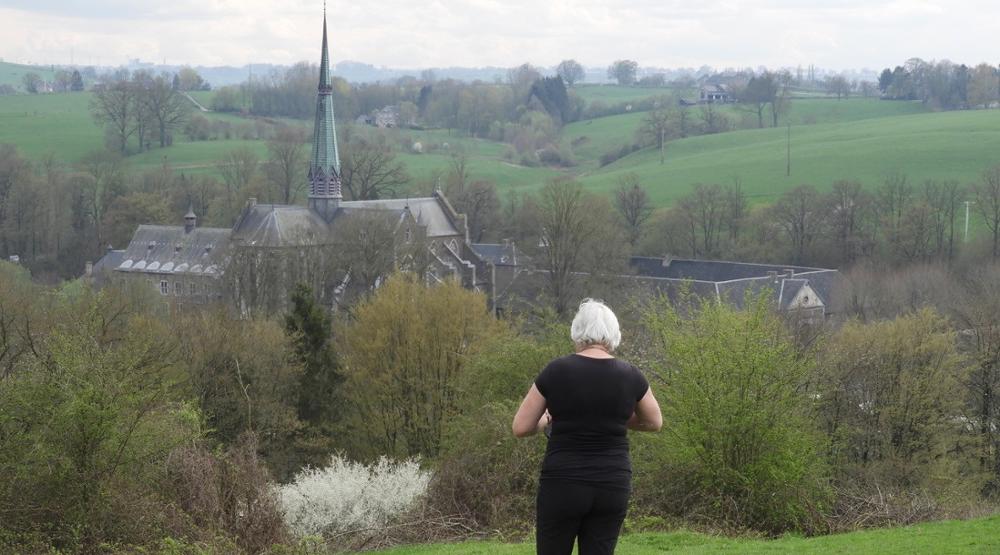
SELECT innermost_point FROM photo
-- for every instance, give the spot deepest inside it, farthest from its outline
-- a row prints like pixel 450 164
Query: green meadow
pixel 863 139
pixel 980 536
pixel 950 145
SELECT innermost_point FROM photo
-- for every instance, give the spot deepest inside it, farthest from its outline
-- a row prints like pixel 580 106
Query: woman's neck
pixel 594 351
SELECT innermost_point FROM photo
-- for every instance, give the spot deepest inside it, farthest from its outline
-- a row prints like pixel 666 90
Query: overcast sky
pixel 438 33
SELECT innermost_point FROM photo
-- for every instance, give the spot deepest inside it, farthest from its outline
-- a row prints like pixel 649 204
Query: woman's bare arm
pixel 647 417
pixel 531 417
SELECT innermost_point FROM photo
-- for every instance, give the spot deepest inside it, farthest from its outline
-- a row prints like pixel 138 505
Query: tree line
pixel 942 85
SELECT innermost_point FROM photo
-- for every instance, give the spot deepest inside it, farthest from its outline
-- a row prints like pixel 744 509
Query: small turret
pixel 190 220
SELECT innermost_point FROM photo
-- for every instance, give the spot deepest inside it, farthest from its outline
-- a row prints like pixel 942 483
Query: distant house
pixel 715 94
pixel 386 117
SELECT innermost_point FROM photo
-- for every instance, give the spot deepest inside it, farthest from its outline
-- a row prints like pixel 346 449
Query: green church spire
pixel 324 164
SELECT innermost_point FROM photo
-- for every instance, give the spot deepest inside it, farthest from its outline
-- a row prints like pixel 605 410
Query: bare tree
pixel 238 169
pixel 286 162
pixel 656 128
pixel 735 210
pixel 165 106
pixel 987 193
pixel 706 208
pixel 849 208
pixel 623 71
pixel 943 198
pixel 800 214
pixel 577 233
pixel 481 206
pixel 634 206
pixel 114 107
pixel 370 171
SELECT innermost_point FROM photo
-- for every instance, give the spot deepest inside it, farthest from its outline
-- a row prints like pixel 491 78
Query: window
pixel 192 289
pixel 178 288
pixel 164 287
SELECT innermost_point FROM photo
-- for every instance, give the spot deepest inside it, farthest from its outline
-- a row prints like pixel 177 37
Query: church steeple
pixel 324 164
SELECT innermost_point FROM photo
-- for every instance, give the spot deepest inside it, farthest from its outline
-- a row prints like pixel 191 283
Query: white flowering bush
pixel 347 496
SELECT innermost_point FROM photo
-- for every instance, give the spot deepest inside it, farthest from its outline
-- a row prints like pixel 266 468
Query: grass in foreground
pixel 958 537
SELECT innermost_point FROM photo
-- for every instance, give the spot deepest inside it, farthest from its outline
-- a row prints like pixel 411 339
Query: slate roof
pixel 280 225
pixel 162 249
pixel 426 210
pixel 733 281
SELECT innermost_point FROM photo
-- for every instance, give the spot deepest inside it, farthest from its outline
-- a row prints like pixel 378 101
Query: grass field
pixel 950 145
pixel 864 139
pixel 613 94
pixel 980 536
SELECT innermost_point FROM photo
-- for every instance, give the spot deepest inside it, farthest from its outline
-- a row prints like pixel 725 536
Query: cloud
pixel 434 33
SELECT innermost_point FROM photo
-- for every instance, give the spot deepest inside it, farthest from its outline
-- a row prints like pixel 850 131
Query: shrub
pixel 738 446
pixel 349 496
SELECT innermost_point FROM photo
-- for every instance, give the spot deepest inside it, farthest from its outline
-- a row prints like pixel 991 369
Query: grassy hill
pixel 980 536
pixel 11 74
pixel 950 145
pixel 863 139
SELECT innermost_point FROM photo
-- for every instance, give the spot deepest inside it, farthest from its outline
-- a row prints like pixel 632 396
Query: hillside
pixel 949 145
pixel 11 74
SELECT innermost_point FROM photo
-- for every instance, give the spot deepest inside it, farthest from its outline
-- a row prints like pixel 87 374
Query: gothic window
pixel 178 288
pixel 409 235
pixel 454 245
pixel 192 289
pixel 164 287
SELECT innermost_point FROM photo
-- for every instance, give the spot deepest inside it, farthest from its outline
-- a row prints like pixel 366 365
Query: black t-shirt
pixel 590 400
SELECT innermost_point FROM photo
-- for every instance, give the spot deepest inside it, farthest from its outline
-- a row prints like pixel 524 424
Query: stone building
pixel 338 248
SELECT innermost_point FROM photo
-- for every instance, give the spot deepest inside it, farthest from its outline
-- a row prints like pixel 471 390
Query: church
pixel 339 248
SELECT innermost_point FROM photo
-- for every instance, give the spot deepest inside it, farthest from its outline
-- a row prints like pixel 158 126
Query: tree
pixel 189 80
pixel 31 82
pixel 286 162
pixel 115 107
pixel 76 82
pixel 167 107
pixel 570 71
pixel 370 171
pixel 404 351
pixel 800 214
pixel 888 394
pixel 982 90
pixel 656 128
pixel 577 237
pixel 308 326
pixel 885 80
pixel 238 169
pixel 987 193
pixel 634 206
pixel 761 91
pixel 705 208
pixel 752 459
pixel 838 85
pixel 851 211
pixel 624 71
pixel 481 206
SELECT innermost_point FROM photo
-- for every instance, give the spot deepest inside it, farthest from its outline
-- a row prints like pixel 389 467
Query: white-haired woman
pixel 585 402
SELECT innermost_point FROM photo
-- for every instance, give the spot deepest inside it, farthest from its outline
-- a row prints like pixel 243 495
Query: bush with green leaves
pixel 738 446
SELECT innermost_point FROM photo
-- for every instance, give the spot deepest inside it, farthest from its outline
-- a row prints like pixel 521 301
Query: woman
pixel 585 402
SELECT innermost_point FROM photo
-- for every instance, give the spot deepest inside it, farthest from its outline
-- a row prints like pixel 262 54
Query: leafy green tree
pixel 888 395
pixel 737 424
pixel 76 82
pixel 403 353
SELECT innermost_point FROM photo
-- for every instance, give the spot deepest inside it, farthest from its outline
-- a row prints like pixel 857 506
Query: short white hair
pixel 595 323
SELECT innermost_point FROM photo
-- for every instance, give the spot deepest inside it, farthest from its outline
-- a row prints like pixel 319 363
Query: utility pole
pixel 967 203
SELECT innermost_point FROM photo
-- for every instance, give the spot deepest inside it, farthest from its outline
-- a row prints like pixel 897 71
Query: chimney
pixel 773 276
pixel 789 273
pixel 251 202
pixel 88 269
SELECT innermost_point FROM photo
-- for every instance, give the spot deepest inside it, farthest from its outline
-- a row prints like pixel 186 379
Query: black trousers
pixel 570 510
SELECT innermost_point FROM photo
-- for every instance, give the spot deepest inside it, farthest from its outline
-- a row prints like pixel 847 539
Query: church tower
pixel 324 164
